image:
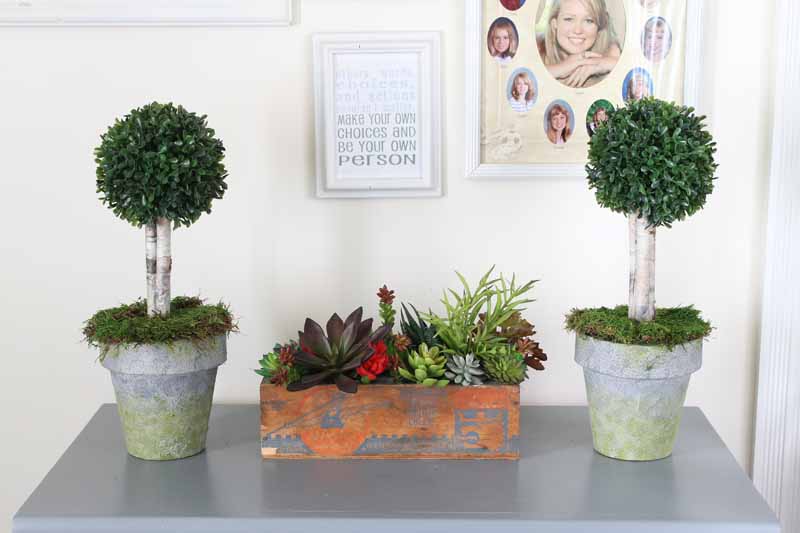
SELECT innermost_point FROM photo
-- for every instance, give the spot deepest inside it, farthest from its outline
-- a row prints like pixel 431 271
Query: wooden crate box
pixel 390 422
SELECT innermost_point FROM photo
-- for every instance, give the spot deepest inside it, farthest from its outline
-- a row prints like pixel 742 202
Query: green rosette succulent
pixel 278 365
pixel 427 367
pixel 505 365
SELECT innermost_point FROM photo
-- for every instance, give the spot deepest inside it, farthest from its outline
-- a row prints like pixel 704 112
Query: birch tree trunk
pixel 163 265
pixel 642 285
pixel 150 265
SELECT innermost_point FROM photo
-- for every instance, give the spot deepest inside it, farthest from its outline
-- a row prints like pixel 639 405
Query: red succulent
pixel 280 377
pixel 402 343
pixel 386 296
pixel 286 355
pixel 377 363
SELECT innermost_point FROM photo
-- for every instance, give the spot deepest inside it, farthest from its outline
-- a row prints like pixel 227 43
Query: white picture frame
pixel 475 42
pixel 147 13
pixel 397 72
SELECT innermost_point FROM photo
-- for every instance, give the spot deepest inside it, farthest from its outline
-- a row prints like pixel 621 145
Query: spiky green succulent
pixel 335 357
pixel 474 317
pixel 464 370
pixel 416 329
pixel 504 364
pixel 426 367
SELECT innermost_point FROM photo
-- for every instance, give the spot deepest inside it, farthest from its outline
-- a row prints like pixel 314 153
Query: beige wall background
pixel 277 254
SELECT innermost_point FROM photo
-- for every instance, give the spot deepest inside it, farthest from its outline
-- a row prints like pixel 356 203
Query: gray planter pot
pixel 636 395
pixel 164 394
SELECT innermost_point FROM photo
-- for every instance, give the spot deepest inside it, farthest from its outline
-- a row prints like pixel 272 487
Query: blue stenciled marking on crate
pixel 388 444
pixel 470 424
pixel 332 419
pixel 330 415
pixel 286 444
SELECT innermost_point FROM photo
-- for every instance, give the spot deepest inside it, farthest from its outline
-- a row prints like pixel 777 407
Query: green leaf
pixel 406 374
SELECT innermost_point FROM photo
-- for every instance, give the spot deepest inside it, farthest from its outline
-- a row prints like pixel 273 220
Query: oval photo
pixel 638 84
pixel 522 90
pixel 597 114
pixel 580 41
pixel 512 5
pixel 656 39
pixel 502 40
pixel 559 122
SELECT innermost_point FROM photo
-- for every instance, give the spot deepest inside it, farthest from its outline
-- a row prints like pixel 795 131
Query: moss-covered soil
pixel 672 326
pixel 189 319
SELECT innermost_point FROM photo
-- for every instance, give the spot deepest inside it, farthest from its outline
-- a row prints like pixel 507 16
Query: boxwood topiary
pixel 160 166
pixel 652 158
pixel 160 160
pixel 654 162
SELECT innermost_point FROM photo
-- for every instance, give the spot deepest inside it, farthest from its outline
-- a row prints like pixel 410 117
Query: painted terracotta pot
pixel 636 395
pixel 164 394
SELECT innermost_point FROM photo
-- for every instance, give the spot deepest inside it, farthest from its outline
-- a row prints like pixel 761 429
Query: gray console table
pixel 559 485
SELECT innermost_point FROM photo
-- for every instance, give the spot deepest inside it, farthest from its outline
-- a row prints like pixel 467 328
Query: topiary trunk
pixel 163 265
pixel 642 287
pixel 150 262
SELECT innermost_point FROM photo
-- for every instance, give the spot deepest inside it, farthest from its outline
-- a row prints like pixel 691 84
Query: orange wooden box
pixel 390 422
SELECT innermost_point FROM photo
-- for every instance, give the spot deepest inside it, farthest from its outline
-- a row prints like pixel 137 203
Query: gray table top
pixel 558 485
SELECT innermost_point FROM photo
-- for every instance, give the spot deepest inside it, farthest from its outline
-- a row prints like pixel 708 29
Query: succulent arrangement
pixel 480 338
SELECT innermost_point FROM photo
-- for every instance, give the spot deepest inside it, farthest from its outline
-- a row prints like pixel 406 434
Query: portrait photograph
pixel 638 84
pixel 597 114
pixel 580 41
pixel 522 90
pixel 656 39
pixel 559 122
pixel 512 5
pixel 502 40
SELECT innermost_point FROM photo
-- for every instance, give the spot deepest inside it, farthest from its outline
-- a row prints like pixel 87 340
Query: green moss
pixel 671 326
pixel 189 319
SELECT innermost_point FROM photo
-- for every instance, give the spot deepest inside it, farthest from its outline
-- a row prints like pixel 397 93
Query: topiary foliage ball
pixel 160 161
pixel 653 158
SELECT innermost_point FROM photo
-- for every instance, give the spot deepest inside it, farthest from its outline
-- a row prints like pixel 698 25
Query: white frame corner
pixel 32 13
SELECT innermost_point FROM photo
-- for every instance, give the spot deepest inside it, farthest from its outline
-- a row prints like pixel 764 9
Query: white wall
pixel 277 254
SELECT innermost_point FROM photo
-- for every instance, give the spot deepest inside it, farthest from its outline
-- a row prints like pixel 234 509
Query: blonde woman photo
pixel 503 40
pixel 558 122
pixel 522 95
pixel 579 45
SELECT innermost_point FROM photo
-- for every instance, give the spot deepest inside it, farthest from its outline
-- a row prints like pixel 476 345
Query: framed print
pixel 147 13
pixel 542 74
pixel 377 102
